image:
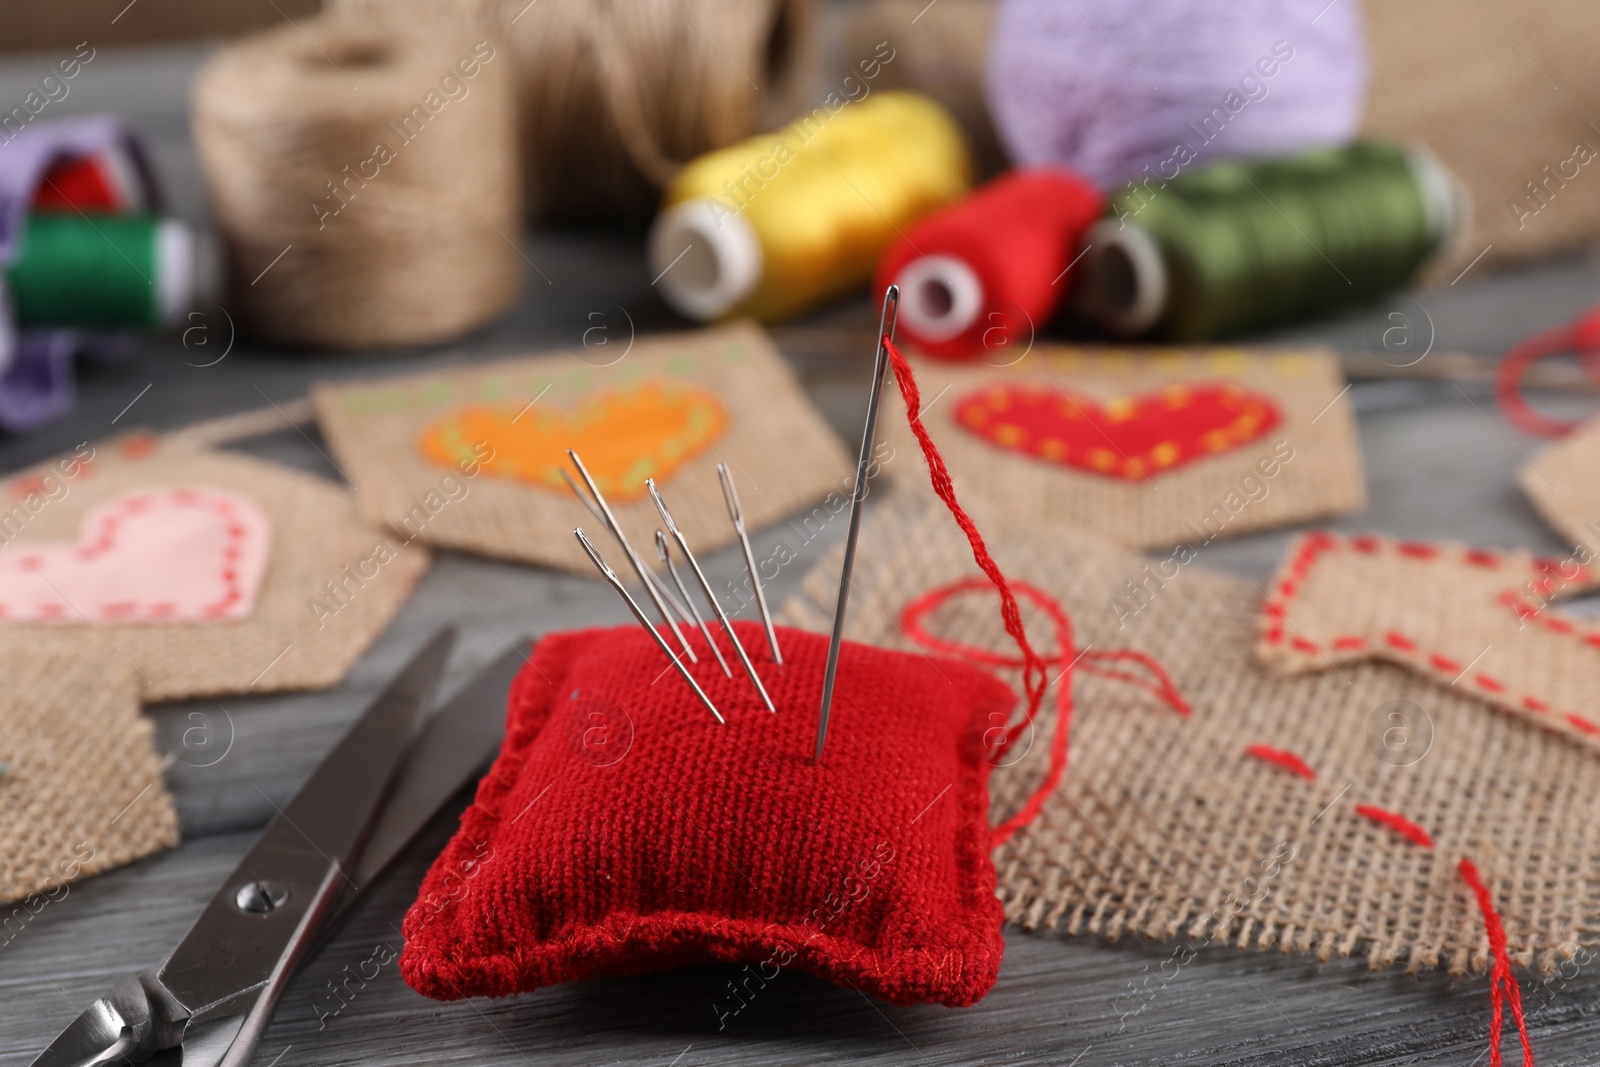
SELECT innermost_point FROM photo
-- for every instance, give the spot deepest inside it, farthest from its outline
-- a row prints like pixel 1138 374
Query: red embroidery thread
pixel 911 621
pixel 1503 987
pixel 1396 822
pixel 1285 759
pixel 1035 679
pixel 1582 335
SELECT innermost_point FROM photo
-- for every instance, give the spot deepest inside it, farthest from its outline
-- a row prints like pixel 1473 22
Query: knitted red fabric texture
pixel 669 840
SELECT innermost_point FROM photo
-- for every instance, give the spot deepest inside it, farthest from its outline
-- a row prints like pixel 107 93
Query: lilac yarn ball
pixel 1112 87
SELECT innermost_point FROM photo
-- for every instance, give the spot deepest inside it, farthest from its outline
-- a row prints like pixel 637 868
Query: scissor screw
pixel 259 898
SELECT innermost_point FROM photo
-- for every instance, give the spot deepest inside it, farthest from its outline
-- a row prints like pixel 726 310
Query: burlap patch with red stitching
pixel 1468 618
pixel 332 581
pixel 1181 445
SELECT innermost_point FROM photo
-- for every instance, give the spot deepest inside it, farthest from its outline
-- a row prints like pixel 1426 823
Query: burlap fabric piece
pixel 1563 483
pixel 333 580
pixel 780 452
pixel 1217 496
pixel 1498 91
pixel 82 792
pixel 1163 826
pixel 1464 617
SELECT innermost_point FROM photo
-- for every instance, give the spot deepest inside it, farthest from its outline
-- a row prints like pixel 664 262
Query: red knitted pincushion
pixel 667 839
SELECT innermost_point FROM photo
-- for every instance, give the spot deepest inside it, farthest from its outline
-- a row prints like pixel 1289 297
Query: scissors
pixel 210 1002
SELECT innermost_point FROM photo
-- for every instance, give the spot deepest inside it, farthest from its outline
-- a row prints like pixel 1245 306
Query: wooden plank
pixel 1057 999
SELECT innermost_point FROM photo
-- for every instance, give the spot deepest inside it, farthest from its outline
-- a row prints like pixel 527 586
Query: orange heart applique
pixel 648 430
pixel 1130 437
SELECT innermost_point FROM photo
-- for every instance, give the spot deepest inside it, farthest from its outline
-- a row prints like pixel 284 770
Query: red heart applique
pixel 158 555
pixel 1129 437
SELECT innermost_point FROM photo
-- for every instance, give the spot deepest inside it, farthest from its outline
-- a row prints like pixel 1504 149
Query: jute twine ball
pixel 365 178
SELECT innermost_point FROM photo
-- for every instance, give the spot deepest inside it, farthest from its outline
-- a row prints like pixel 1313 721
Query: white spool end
pixel 705 258
pixel 175 255
pixel 1445 200
pixel 1127 279
pixel 188 270
pixel 940 297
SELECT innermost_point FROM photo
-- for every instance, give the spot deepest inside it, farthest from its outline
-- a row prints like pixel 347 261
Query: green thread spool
pixel 1240 246
pixel 104 271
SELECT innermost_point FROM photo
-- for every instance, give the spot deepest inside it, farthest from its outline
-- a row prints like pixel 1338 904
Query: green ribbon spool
pixel 101 271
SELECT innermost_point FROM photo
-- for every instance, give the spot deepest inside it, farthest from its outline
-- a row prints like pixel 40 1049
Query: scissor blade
pixel 459 740
pixel 230 951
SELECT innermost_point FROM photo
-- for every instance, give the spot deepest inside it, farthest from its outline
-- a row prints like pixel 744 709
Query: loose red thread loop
pixel 1503 987
pixel 1581 336
pixel 1287 760
pixel 1396 822
pixel 1035 676
pixel 1068 658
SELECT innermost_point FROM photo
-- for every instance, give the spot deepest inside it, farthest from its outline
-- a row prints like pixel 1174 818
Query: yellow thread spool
pixel 783 221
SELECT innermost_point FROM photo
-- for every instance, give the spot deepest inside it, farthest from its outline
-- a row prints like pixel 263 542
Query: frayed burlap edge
pixel 82 790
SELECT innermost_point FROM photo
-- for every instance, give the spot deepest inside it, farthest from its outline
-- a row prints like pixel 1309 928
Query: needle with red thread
pixel 886 323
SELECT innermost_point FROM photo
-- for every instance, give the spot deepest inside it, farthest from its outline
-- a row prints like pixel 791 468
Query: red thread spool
pixel 988 271
pixel 109 181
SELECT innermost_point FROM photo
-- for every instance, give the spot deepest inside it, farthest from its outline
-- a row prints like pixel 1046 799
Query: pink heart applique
pixel 156 555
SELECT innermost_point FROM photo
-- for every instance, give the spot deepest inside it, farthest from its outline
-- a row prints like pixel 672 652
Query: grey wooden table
pixel 1440 464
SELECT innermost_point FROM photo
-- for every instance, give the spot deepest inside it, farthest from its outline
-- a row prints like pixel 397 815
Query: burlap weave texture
pixel 1164 827
pixel 82 790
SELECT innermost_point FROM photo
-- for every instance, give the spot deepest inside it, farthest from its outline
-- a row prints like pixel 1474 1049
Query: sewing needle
pixel 638 613
pixel 716 605
pixel 886 324
pixel 581 495
pixel 639 568
pixel 730 496
pixel 677 579
pixel 671 599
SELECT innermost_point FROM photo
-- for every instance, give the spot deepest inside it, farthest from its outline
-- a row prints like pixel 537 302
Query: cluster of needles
pixel 678 606
pixel 673 607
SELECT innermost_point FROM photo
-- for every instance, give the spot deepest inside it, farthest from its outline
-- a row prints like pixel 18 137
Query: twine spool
pixel 1242 246
pixel 379 164
pixel 616 95
pixel 786 220
pixel 981 277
